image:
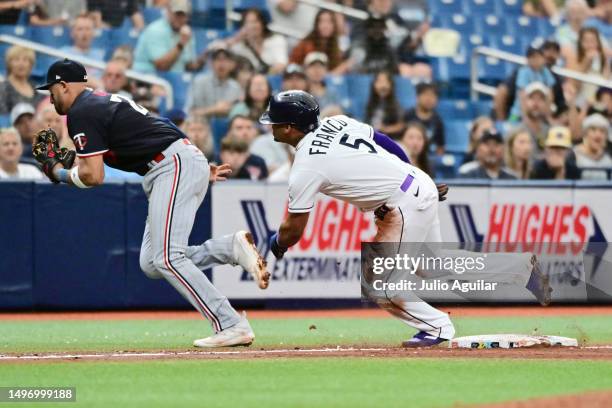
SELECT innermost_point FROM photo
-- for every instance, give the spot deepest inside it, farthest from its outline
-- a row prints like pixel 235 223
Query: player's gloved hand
pixel 66 157
pixel 442 191
pixel 46 151
pixel 276 248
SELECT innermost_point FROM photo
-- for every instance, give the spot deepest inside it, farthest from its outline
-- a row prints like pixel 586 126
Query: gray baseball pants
pixel 176 187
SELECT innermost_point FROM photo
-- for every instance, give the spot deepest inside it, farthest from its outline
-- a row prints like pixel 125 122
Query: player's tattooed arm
pixel 289 233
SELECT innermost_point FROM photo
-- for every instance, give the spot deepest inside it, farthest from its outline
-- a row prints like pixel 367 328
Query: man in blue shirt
pixel 535 71
pixel 167 44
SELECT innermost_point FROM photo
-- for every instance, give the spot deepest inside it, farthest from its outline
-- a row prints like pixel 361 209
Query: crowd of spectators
pixel 541 125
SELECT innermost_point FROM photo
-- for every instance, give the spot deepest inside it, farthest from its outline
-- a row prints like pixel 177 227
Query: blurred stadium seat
pixel 493 70
pixel 5 121
pixel 151 14
pixel 511 7
pixel 203 38
pixel 445 6
pixel 101 39
pixel 455 109
pixel 219 127
pixel 181 82
pixel 238 4
pixel 457 135
pixel 200 5
pixel 124 35
pixel 405 91
pixel 20 31
pixel 523 26
pixel 509 43
pixel 275 82
pixel 338 85
pixel 479 6
pixel 359 89
pixel 488 24
pixel 56 37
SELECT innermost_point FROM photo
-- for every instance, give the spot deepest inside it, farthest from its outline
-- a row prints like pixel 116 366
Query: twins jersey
pixel 341 159
pixel 124 132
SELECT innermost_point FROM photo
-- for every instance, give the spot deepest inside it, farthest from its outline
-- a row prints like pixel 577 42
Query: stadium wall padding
pixel 63 248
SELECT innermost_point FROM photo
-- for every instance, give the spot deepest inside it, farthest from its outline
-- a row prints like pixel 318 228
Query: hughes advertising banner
pixel 559 224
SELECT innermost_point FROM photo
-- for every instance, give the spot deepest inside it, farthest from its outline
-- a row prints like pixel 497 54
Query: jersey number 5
pixel 355 145
pixel 134 105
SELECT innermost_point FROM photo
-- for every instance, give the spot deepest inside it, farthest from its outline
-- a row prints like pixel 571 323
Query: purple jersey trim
pixel 391 146
pixel 407 182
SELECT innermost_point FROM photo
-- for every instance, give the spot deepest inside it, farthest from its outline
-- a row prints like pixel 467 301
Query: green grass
pixel 39 336
pixel 295 382
pixel 314 382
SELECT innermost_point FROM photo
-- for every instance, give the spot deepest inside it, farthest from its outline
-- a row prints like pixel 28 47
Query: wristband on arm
pixel 74 176
pixel 63 175
pixel 277 249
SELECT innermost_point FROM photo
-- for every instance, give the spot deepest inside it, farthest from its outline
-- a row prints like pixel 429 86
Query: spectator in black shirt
pixel 556 164
pixel 372 52
pixel 490 156
pixel 111 13
pixel 425 112
pixel 383 111
pixel 244 165
pixel 10 10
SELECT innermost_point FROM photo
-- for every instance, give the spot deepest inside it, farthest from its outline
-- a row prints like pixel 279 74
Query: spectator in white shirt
pixel 267 52
pixel 591 153
pixel 11 150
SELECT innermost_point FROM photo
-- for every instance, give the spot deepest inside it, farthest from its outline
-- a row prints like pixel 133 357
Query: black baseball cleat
pixel 539 284
pixel 423 339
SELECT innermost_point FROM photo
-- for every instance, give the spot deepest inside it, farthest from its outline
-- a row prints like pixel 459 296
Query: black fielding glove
pixel 47 152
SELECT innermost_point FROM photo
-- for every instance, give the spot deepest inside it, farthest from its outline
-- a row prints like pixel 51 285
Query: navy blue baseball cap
pixel 64 70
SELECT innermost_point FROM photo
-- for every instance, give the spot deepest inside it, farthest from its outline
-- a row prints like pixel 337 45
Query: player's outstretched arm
pixel 289 233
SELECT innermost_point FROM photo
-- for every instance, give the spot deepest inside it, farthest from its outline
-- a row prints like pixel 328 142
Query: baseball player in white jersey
pixel 349 160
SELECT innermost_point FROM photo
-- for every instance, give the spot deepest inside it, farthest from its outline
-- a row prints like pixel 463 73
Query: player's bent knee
pixel 164 263
pixel 149 268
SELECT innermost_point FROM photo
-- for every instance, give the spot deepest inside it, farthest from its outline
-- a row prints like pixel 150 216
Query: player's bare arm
pixel 90 172
pixel 289 233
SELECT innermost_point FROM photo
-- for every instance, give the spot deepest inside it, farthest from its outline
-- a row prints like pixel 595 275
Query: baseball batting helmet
pixel 297 108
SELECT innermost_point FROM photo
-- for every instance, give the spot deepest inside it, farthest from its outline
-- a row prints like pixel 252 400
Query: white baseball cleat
pixel 239 335
pixel 245 253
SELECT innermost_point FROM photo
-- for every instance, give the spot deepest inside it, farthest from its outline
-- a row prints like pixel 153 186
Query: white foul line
pixel 183 353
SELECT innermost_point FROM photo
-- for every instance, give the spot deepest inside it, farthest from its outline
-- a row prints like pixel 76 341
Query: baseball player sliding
pixel 114 130
pixel 350 161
